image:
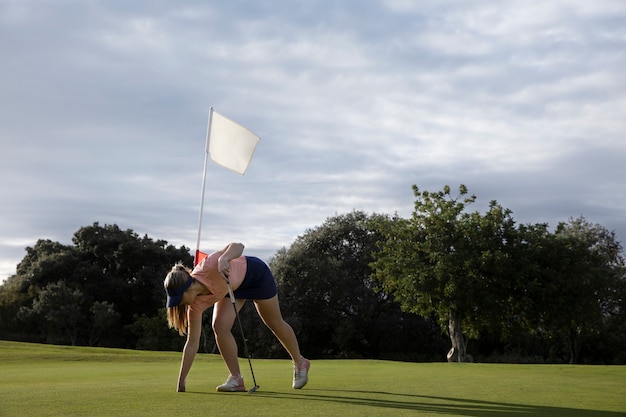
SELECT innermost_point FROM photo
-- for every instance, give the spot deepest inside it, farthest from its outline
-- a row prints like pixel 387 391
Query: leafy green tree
pixel 122 266
pixel 328 296
pixel 103 316
pixel 47 262
pixel 118 274
pixel 581 283
pixel 153 334
pixel 451 264
pixel 14 294
pixel 59 309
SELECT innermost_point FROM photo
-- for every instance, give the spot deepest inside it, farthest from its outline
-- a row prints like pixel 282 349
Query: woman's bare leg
pixel 269 310
pixel 223 320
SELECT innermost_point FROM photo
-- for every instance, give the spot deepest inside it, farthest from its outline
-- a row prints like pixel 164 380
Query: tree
pixel 14 294
pixel 327 294
pixel 103 316
pixel 581 283
pixel 47 262
pixel 451 264
pixel 153 334
pixel 118 274
pixel 59 309
pixel 119 265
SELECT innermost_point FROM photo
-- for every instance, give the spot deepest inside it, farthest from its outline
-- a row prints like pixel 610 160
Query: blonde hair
pixel 177 316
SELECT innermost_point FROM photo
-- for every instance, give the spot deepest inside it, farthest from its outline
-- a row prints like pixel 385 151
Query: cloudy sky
pixel 104 105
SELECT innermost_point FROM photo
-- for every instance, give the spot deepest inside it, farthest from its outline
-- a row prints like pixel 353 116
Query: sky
pixel 104 107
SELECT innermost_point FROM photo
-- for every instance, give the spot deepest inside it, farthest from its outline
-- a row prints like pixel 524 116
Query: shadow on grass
pixel 443 405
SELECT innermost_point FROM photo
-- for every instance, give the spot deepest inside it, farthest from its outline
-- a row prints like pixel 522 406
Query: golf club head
pixel 256 387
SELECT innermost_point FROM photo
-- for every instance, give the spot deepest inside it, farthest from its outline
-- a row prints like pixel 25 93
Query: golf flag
pixel 230 144
pixel 199 257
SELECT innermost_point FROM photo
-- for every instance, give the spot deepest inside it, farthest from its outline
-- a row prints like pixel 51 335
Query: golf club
pixel 245 344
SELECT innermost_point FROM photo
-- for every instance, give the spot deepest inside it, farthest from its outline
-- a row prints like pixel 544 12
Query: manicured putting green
pixel 44 380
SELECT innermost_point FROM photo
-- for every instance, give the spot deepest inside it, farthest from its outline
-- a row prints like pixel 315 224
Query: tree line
pixel 445 283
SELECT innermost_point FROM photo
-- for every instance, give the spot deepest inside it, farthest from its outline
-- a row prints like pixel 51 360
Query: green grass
pixel 43 380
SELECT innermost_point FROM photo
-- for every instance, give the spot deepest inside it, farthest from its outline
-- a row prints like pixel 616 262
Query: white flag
pixel 230 144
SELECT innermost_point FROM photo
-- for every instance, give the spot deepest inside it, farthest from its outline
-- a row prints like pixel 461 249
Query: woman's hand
pixel 231 251
pixel 223 266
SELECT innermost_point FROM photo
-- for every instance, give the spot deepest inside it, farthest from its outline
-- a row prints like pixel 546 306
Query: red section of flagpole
pixel 199 257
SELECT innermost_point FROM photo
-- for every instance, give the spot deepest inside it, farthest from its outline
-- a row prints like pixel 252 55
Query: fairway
pixel 43 380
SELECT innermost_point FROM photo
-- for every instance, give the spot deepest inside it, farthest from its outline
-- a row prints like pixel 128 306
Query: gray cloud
pixel 104 106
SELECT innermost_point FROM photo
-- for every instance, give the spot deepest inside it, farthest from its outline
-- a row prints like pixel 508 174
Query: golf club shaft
pixel 245 343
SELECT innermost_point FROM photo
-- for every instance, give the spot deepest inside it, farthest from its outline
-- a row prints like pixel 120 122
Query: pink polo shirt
pixel 207 274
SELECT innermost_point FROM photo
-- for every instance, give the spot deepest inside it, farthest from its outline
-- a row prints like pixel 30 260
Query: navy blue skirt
pixel 259 283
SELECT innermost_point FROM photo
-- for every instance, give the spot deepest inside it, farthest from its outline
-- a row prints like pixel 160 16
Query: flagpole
pixel 206 163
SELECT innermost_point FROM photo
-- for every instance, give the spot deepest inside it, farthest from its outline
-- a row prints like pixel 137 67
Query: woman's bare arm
pixel 230 252
pixel 189 352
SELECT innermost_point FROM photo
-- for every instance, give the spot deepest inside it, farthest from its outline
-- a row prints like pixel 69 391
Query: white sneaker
pixel 301 373
pixel 232 384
